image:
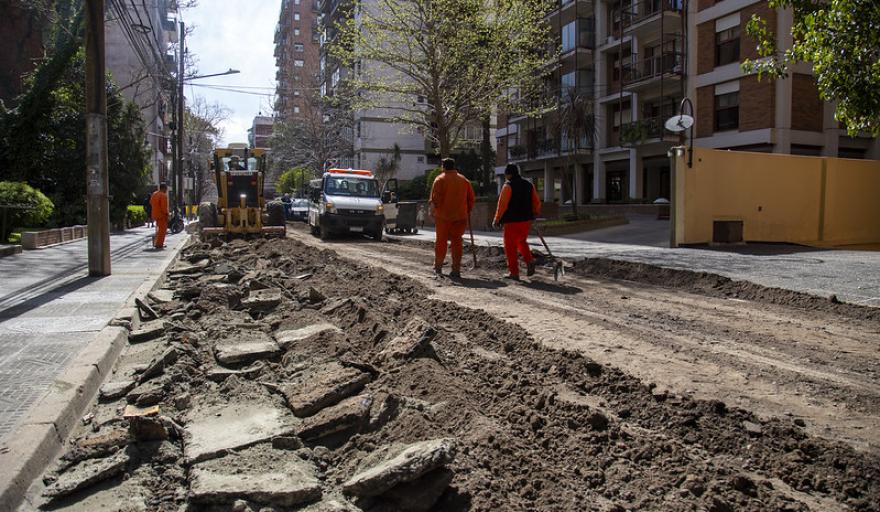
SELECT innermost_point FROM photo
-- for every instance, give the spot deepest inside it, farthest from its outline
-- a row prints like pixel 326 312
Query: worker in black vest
pixel 518 206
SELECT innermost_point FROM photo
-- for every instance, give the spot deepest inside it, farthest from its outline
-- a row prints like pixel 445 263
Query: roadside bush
pixel 414 189
pixel 430 181
pixel 19 193
pixel 136 216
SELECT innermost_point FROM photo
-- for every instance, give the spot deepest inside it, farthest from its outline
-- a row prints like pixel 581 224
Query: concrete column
pixel 580 172
pixel 830 130
pixel 598 180
pixel 635 174
pixel 783 87
pixel 549 182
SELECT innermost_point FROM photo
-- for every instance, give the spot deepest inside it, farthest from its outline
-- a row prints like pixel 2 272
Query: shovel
pixel 473 245
pixel 558 267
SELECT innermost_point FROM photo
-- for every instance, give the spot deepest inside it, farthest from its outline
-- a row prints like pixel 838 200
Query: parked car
pixel 299 209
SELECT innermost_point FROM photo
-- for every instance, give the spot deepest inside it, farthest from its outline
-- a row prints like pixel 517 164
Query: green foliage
pixel 136 215
pixel 49 152
pixel 841 40
pixel 292 180
pixel 414 189
pixel 429 182
pixel 22 194
pixel 446 63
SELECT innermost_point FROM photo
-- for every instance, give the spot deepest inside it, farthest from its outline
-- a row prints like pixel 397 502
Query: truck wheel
pixel 377 235
pixel 207 215
pixel 275 213
pixel 323 233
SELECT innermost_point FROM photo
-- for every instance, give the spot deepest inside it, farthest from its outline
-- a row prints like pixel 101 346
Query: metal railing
pixel 637 11
pixel 667 63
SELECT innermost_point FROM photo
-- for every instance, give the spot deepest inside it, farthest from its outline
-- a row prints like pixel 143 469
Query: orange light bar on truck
pixel 351 171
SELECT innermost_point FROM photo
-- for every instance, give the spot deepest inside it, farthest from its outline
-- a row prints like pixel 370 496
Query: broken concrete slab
pixel 213 430
pixel 331 504
pixel 147 394
pixel 414 339
pixel 408 465
pixel 421 494
pixel 133 411
pixel 87 473
pixel 335 304
pixel 187 269
pixel 262 300
pixel 167 358
pixel 288 338
pixel 248 347
pixel 345 415
pixel 161 296
pixel 146 332
pixel 148 428
pixel 260 474
pixel 221 374
pixel 146 311
pixel 117 389
pixel 323 386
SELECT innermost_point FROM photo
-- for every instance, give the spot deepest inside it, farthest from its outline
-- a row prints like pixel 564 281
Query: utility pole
pixel 180 119
pixel 97 178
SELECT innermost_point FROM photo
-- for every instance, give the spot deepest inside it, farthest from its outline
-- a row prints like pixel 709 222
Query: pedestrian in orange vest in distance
pixel 452 199
pixel 518 205
pixel 159 204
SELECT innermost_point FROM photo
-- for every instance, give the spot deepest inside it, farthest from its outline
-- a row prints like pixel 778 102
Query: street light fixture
pixel 230 71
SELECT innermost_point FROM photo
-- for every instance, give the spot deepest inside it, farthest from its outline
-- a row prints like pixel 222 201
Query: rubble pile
pixel 270 376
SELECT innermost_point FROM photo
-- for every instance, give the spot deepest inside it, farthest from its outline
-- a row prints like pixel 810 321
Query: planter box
pixel 35 239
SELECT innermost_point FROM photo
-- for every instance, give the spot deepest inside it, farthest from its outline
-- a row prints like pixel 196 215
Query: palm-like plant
pixel 573 120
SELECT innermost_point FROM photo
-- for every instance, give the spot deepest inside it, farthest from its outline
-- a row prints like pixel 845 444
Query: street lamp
pixel 230 71
pixel 680 123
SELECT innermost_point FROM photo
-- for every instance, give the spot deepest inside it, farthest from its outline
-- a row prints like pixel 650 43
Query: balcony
pixel 642 13
pixel 637 132
pixel 645 71
pixel 545 148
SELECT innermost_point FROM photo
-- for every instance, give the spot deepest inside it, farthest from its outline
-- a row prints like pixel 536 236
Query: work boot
pixel 438 271
pixel 455 274
pixel 512 277
pixel 530 269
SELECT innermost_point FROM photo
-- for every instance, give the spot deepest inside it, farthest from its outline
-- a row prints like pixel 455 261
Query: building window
pixel 727 111
pixel 296 31
pixel 296 2
pixel 727 46
pixel 298 47
pixel 568 37
pixel 420 159
pixel 296 110
pixel 296 16
pixel 297 63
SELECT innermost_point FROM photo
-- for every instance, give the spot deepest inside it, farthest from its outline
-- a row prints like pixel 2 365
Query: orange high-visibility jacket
pixel 159 203
pixel 452 197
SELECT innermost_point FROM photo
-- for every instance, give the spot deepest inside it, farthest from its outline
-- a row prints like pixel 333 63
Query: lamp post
pixel 679 124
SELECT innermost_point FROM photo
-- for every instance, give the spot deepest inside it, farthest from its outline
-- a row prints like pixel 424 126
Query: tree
pixel 202 124
pixel 294 181
pixel 387 166
pixel 321 134
pixel 841 40
pixel 574 127
pixel 441 64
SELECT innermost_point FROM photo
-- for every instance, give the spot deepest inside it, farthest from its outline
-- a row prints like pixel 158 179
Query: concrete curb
pixel 38 440
pixel 9 250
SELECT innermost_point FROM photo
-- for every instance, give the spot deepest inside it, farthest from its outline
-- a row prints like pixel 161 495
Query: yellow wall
pixel 852 202
pixel 779 198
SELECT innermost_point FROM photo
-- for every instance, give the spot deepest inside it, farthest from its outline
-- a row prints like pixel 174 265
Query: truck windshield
pixel 355 187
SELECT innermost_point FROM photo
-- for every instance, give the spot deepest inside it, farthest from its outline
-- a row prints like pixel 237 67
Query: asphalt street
pixel 50 309
pixel 854 276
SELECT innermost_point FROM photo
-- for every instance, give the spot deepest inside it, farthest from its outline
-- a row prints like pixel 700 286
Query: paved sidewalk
pixel 50 309
pixel 854 276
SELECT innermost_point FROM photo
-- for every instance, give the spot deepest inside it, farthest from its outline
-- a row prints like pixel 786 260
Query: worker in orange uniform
pixel 159 203
pixel 518 206
pixel 452 199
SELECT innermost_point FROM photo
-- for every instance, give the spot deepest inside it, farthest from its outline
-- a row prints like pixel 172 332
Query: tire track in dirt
pixel 675 339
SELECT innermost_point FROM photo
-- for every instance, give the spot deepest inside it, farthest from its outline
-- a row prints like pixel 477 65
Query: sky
pixel 237 34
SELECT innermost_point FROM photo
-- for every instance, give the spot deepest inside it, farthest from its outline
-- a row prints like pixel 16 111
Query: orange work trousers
pixel 161 229
pixel 449 233
pixel 515 236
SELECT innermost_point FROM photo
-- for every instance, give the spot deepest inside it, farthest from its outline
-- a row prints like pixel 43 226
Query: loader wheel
pixel 275 213
pixel 207 215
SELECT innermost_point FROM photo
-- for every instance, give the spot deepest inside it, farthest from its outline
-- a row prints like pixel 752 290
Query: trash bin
pixel 663 207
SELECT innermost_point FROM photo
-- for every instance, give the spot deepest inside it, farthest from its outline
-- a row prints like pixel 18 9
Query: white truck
pixel 348 201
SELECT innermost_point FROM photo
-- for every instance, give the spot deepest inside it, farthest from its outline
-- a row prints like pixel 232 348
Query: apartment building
pixel 734 110
pixel 297 56
pixel 139 37
pixel 640 58
pixel 260 131
pixel 375 132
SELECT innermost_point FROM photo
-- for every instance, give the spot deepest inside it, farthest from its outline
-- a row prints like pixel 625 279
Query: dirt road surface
pixel 775 361
pixel 297 374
